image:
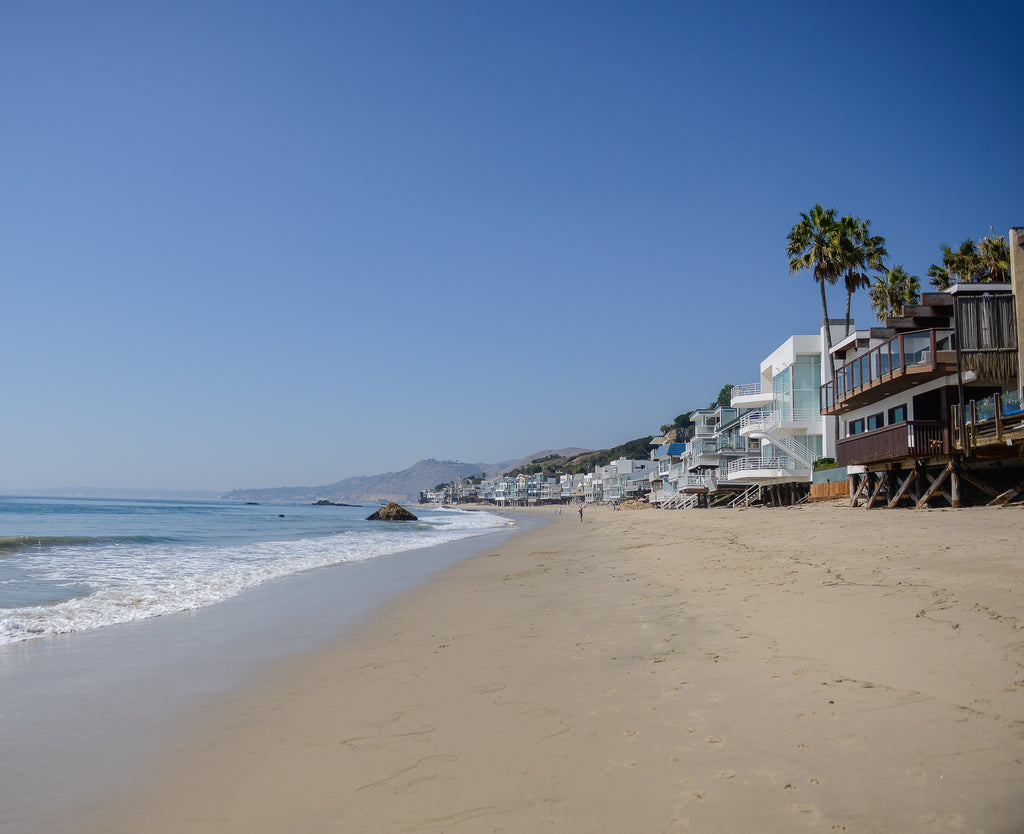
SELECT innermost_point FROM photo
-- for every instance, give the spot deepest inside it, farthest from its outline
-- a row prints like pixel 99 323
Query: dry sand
pixel 817 668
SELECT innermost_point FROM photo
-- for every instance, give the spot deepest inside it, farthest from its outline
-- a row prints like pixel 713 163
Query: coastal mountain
pixel 404 486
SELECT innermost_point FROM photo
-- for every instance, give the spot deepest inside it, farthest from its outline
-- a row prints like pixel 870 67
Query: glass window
pixel 807 372
pixel 782 379
pixel 814 443
pixel 805 404
pixel 783 393
pixel 856 427
pixel 897 414
pixel 875 421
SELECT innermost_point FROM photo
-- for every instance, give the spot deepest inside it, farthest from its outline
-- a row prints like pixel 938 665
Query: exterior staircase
pixel 744 499
pixel 767 425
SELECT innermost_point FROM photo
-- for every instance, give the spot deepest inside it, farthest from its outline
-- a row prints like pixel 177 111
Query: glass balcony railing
pixel 919 349
pixel 1007 405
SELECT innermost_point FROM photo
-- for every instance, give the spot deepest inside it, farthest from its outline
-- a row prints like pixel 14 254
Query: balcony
pixel 912 439
pixel 751 395
pixel 768 470
pixel 729 444
pixel 904 360
pixel 992 426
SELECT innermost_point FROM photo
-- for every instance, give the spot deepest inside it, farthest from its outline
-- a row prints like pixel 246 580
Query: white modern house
pixel 782 414
pixel 620 480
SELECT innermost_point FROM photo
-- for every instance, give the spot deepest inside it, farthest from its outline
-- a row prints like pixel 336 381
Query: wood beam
pixel 879 486
pixel 975 482
pixel 860 489
pixel 903 489
pixel 1006 497
pixel 936 484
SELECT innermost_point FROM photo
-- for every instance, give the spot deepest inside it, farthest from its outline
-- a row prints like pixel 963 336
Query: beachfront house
pixel 930 403
pixel 572 487
pixel 667 453
pixel 692 474
pixel 782 413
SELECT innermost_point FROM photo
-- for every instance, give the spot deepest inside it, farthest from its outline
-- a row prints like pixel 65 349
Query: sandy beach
pixel 817 668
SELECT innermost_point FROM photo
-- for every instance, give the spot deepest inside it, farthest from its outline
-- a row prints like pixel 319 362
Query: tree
pixel 958 266
pixel 994 254
pixel 724 397
pixel 986 262
pixel 862 251
pixel 682 421
pixel 892 290
pixel 815 243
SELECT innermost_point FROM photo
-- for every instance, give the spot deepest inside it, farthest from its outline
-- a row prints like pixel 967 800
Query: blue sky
pixel 259 244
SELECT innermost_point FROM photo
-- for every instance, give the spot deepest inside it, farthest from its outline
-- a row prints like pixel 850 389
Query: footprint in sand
pixel 726 774
pixel 713 740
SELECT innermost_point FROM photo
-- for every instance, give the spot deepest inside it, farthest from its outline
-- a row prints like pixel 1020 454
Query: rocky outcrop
pixel 323 502
pixel 391 512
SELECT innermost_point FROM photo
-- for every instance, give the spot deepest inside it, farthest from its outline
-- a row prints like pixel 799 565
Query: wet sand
pixel 817 668
pixel 80 712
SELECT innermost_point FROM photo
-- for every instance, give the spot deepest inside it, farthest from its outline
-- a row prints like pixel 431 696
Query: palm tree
pixel 984 263
pixel 862 251
pixel 959 266
pixel 994 257
pixel 940 275
pixel 893 290
pixel 815 243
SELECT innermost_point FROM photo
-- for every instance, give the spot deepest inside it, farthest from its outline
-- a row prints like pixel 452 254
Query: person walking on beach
pixel 581 513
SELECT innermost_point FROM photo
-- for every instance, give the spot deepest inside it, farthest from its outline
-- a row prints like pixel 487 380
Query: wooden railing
pixel 914 438
pixel 988 421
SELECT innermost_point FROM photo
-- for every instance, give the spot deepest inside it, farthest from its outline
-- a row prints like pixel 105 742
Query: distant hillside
pixel 584 460
pixel 544 454
pixel 401 486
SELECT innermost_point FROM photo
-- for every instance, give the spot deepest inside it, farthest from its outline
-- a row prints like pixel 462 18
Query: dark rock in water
pixel 392 512
pixel 323 502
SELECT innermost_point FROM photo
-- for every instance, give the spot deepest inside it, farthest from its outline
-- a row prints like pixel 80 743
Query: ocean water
pixel 93 681
pixel 71 565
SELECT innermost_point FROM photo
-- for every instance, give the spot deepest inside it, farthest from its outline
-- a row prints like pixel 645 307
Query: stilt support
pixel 935 486
pixel 911 475
pixel 880 485
pixel 861 487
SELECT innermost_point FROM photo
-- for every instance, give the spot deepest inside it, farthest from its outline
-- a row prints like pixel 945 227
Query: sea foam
pixel 109 580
